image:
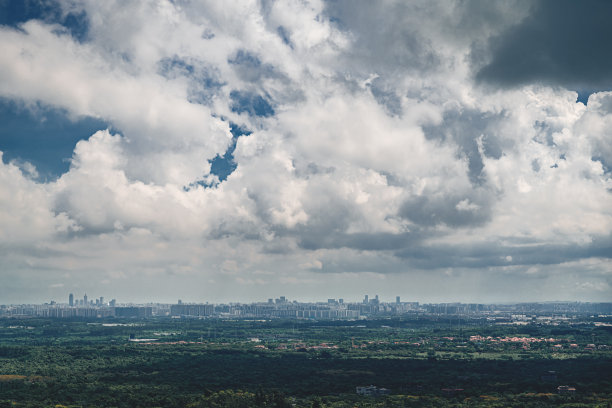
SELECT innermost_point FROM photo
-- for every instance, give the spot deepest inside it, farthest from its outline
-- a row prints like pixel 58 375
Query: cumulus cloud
pixel 43 64
pixel 558 43
pixel 26 216
pixel 361 141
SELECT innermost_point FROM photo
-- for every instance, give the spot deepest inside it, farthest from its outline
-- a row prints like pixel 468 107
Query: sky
pixel 216 151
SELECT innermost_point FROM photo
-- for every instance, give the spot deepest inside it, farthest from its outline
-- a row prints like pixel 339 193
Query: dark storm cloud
pixel 412 248
pixel 562 42
pixel 360 241
pixel 433 210
pixel 504 254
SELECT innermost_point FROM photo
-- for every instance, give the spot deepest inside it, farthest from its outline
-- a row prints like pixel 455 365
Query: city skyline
pixel 435 150
pixel 99 301
pixel 549 313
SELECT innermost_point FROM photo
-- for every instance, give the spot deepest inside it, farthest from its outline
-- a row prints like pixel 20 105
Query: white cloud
pixel 382 158
pixel 26 217
pixel 161 126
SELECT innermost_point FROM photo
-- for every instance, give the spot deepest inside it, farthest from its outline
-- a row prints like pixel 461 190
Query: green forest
pixel 299 363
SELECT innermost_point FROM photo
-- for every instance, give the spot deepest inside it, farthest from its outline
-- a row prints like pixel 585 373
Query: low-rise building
pixel 566 389
pixel 372 391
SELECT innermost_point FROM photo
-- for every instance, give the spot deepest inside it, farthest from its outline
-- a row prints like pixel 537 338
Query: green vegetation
pixel 290 363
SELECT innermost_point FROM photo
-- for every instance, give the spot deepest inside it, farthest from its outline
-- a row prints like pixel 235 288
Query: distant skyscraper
pixel 71 299
pixel 101 300
pixel 85 300
pixel 365 299
pixel 397 300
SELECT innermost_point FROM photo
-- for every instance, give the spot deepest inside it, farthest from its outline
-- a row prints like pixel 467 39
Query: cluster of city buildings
pixel 284 308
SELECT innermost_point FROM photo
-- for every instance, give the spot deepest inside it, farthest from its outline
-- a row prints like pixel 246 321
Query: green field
pixel 284 363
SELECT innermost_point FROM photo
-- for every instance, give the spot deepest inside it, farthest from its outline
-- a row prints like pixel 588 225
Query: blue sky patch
pixel 245 58
pixel 253 104
pixel 583 96
pixel 44 136
pixel 15 12
pixel 223 166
